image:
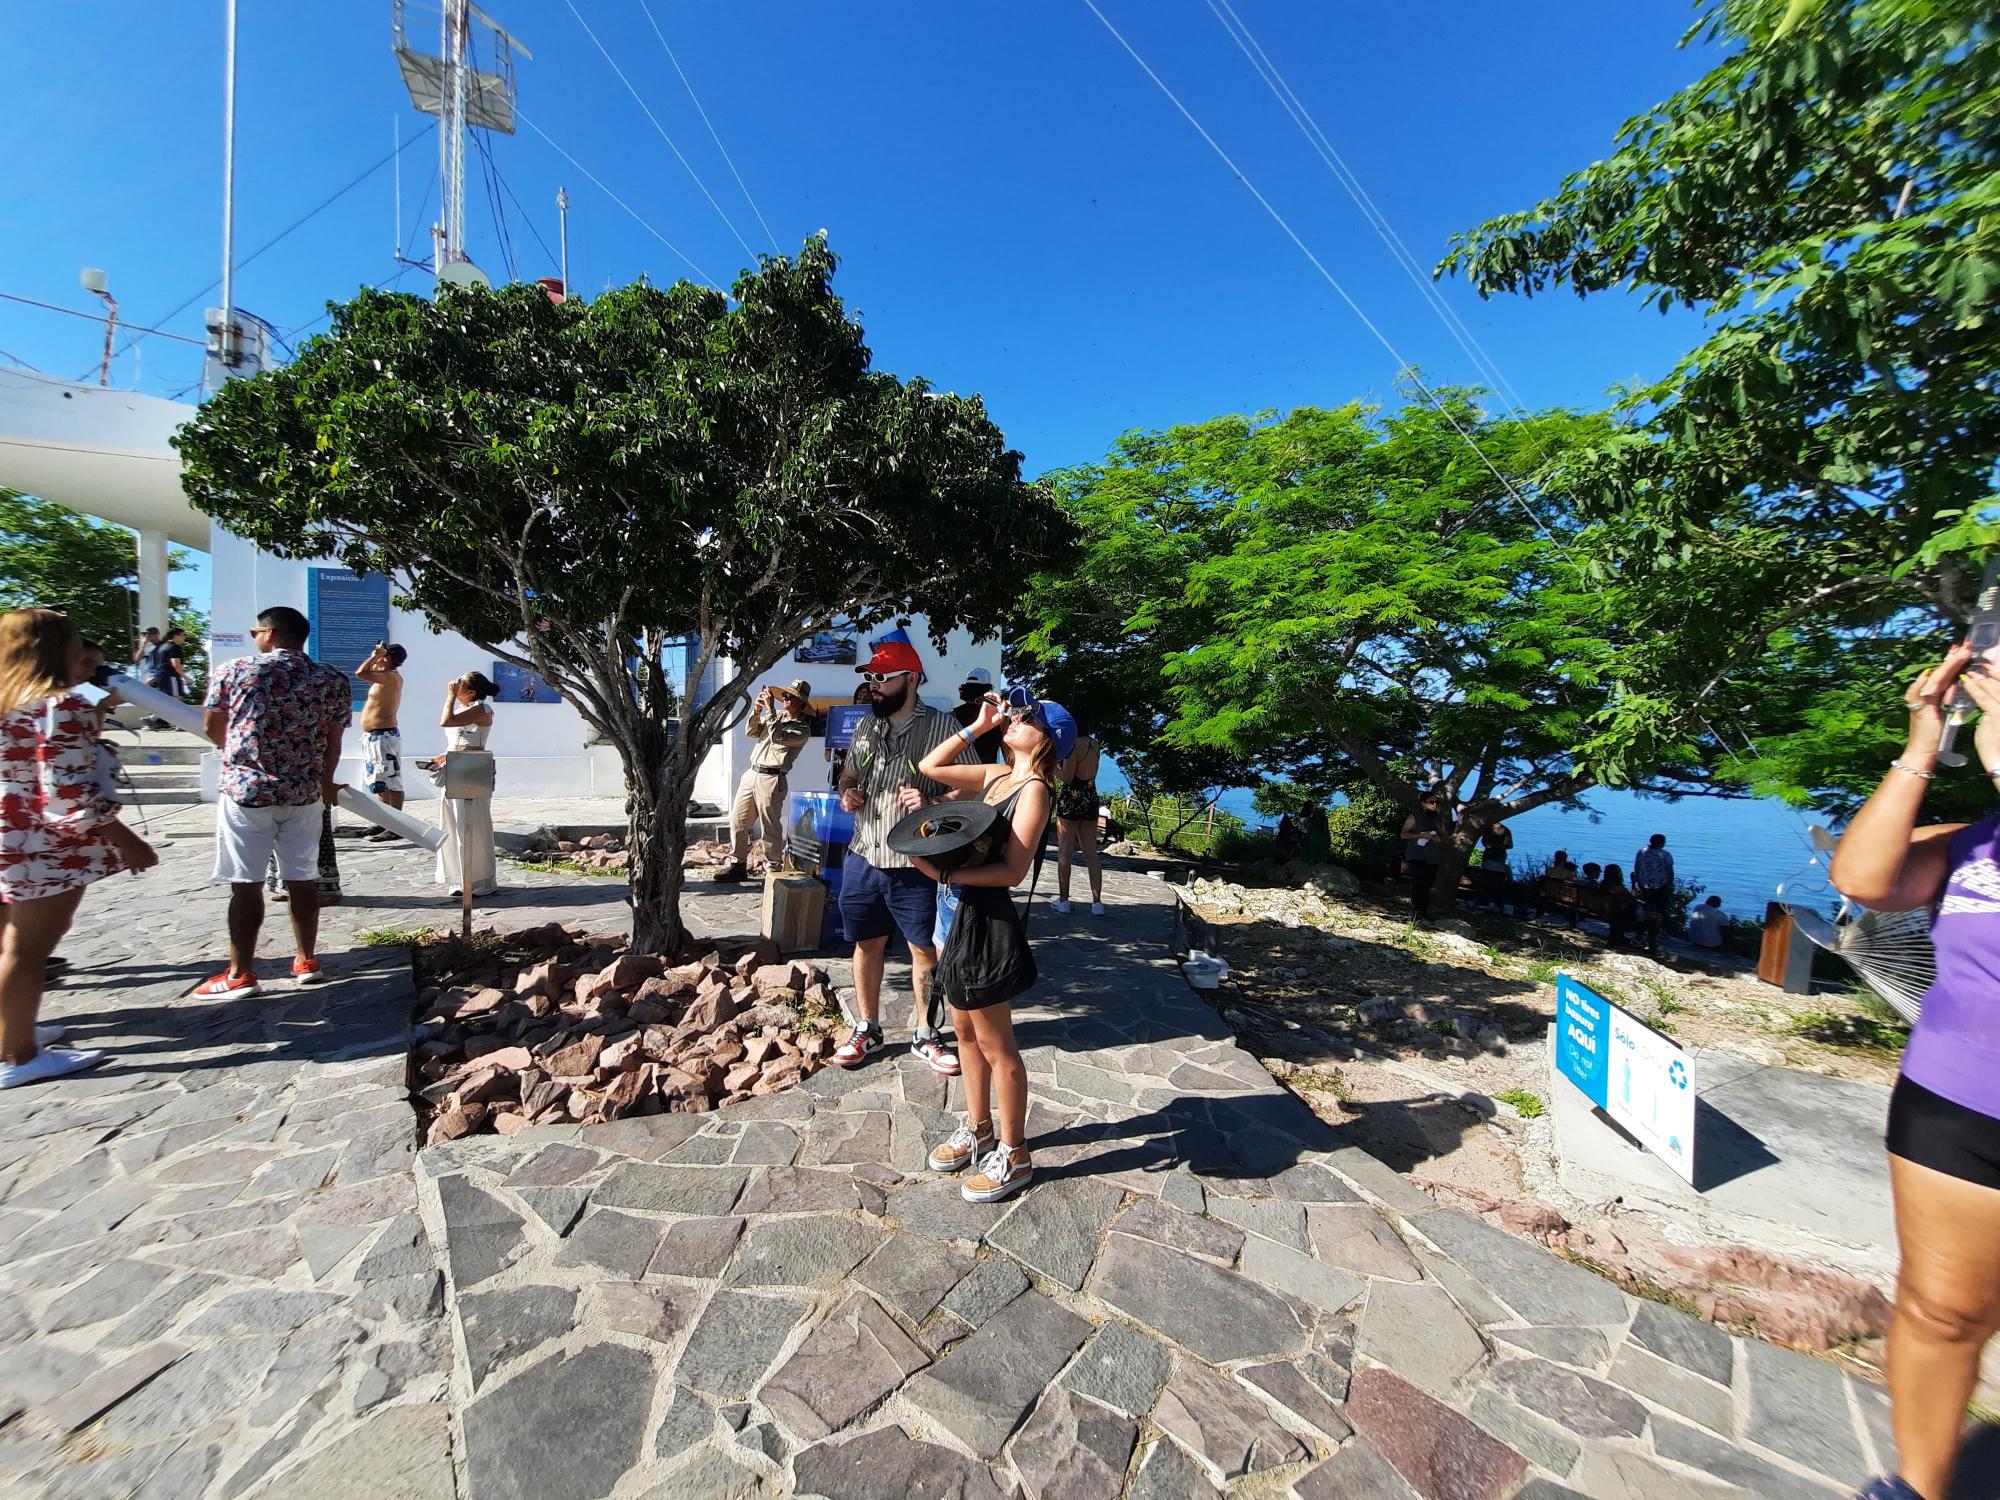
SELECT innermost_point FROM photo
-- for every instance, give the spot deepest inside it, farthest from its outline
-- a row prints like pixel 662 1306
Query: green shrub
pixel 1528 1106
pixel 1361 832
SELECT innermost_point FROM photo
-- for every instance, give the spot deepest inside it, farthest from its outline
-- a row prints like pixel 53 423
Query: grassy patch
pixel 395 937
pixel 1528 1106
pixel 1665 1000
pixel 1864 1034
pixel 565 867
pixel 1445 1028
pixel 1321 1081
pixel 1642 1287
pixel 1543 971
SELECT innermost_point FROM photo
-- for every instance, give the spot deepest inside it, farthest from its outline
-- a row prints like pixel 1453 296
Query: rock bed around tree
pixel 554 1026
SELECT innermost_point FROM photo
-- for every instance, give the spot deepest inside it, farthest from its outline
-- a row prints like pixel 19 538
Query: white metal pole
pixel 562 212
pixel 440 232
pixel 228 350
pixel 455 79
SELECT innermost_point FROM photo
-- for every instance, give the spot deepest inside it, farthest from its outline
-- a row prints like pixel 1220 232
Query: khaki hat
pixel 800 689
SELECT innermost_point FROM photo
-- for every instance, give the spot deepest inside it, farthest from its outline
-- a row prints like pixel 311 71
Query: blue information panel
pixel 1583 1039
pixel 349 614
pixel 841 722
pixel 1641 1078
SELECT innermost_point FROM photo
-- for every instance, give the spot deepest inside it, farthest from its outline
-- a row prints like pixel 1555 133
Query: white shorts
pixel 245 838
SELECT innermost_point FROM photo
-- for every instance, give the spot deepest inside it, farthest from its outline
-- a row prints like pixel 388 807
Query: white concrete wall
pixel 540 747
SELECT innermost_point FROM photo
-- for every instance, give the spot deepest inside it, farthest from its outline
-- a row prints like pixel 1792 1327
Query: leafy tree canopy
pixel 1351 597
pixel 53 558
pixel 574 486
pixel 1823 463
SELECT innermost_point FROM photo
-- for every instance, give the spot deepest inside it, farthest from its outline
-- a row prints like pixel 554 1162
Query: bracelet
pixel 1897 765
pixel 970 738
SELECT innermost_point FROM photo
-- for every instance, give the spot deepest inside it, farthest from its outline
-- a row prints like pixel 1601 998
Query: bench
pixel 1611 905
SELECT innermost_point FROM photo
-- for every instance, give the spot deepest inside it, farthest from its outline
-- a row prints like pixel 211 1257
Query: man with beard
pixel 880 892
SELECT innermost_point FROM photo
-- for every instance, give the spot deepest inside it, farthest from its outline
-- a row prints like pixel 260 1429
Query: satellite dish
pixel 464 273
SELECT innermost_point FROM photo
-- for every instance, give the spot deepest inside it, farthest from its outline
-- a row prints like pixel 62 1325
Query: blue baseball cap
pixel 1057 720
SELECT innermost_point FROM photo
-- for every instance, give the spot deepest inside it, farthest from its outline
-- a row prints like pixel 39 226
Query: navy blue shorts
pixel 874 902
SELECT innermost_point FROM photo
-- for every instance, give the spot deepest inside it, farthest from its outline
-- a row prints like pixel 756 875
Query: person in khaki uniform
pixel 778 729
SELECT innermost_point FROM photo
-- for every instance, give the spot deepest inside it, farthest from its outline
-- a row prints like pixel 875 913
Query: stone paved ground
pixel 225 1270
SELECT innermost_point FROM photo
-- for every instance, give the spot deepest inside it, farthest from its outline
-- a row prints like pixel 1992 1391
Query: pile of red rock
pixel 603 853
pixel 582 1031
pixel 710 853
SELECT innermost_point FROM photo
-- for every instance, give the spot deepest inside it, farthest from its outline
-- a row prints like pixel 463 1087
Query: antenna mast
pixel 463 97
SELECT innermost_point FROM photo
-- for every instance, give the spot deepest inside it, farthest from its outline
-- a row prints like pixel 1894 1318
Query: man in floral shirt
pixel 279 717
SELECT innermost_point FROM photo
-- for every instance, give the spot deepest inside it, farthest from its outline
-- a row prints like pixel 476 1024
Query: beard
pixel 887 703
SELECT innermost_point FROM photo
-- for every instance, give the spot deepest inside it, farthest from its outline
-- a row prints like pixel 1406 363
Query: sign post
pixel 1641 1079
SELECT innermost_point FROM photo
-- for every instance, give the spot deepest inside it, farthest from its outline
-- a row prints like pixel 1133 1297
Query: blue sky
pixel 1020 211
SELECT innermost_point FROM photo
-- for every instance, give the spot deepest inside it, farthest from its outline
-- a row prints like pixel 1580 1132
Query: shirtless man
pixel 382 754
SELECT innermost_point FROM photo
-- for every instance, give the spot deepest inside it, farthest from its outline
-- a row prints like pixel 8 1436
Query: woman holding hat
pixel 984 960
pixel 780 724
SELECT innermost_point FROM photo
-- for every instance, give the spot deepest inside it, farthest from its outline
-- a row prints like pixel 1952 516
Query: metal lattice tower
pixel 462 96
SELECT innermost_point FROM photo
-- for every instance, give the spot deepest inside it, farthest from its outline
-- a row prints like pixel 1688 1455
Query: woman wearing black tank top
pixel 983 959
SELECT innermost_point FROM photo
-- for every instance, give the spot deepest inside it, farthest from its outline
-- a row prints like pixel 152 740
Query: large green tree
pixel 53 558
pixel 1351 597
pixel 1817 477
pixel 578 486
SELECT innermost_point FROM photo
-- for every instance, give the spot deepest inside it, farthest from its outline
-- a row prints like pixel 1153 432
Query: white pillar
pixel 153 580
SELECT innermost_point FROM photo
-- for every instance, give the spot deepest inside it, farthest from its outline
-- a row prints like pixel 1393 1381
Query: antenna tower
pixel 462 96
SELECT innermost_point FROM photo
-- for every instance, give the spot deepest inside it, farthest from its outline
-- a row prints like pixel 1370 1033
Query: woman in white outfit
pixel 467 851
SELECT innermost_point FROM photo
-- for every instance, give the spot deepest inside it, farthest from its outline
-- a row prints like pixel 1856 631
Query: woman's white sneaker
pixel 46 1065
pixel 964 1148
pixel 1003 1171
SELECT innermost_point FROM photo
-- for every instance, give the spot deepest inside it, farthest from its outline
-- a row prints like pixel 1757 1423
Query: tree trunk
pixel 1452 859
pixel 657 788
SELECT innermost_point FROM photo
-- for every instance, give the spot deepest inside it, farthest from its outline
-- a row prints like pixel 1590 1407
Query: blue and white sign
pixel 349 613
pixel 1643 1080
pixel 841 722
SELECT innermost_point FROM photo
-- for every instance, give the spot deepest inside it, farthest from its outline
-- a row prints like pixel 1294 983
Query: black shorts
pixel 1932 1131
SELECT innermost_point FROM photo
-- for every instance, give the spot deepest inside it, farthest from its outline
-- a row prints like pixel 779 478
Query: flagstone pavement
pixel 226 1270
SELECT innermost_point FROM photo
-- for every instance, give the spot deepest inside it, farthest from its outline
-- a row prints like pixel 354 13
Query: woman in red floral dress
pixel 59 828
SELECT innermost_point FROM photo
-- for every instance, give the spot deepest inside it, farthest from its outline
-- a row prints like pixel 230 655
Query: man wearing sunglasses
pixel 880 892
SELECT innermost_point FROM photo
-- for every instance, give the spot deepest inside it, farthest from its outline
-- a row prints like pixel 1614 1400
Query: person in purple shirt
pixel 1944 1116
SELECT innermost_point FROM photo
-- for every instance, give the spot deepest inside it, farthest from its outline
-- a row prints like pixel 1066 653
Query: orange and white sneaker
pixel 225 986
pixel 307 971
pixel 966 1145
pixel 1003 1172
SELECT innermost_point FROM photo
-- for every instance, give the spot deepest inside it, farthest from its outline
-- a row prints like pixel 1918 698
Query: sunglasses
pixel 879 678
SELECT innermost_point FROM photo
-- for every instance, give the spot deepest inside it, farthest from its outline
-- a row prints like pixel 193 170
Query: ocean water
pixel 1738 850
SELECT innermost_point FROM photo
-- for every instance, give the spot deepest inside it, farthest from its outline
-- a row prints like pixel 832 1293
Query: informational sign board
pixel 1643 1080
pixel 839 647
pixel 841 722
pixel 349 614
pixel 519 685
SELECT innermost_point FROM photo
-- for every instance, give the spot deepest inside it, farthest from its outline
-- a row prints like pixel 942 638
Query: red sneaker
pixel 225 984
pixel 306 971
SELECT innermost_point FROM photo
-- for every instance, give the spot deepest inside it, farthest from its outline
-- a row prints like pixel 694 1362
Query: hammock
pixel 1891 950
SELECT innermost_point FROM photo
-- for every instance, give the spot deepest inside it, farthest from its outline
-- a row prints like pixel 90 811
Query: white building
pixel 105 453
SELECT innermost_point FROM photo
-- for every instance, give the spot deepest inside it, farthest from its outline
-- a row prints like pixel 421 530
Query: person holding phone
pixel 1424 833
pixel 984 960
pixel 780 725
pixel 59 829
pixel 466 857
pixel 1944 1115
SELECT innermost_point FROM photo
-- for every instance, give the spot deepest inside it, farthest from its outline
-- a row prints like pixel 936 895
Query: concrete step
pixel 167 747
pixel 161 779
pixel 160 796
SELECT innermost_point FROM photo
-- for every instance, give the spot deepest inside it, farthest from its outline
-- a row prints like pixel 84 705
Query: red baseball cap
pixel 894 656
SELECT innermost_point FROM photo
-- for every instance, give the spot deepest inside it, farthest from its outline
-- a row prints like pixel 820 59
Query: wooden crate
pixel 793 907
